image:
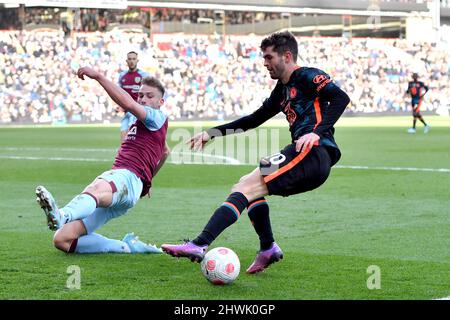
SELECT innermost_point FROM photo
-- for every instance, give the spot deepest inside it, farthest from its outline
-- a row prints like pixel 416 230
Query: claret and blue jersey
pixel 130 81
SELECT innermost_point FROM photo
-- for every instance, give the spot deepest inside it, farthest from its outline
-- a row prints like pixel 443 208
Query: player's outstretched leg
pixel 72 238
pixel 223 217
pixel 258 213
pixel 96 243
pixel 270 252
pixel 413 128
pixel 187 249
pixel 265 258
pixel 137 246
pixel 46 201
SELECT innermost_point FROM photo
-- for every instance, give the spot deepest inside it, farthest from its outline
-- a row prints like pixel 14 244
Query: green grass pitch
pixel 398 220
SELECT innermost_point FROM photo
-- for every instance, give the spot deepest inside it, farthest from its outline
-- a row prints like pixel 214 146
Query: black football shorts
pixel 416 104
pixel 290 172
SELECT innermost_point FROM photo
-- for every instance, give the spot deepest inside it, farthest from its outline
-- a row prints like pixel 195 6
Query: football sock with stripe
pixel 79 207
pixel 96 243
pixel 223 217
pixel 258 212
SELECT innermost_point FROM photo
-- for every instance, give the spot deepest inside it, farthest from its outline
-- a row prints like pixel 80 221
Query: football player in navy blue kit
pixel 312 103
pixel 417 89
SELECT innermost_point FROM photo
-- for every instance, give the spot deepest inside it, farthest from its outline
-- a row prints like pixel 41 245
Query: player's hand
pixel 89 72
pixel 306 142
pixel 198 141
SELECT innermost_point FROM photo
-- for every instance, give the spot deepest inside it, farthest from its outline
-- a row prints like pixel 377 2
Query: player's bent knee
pixel 242 179
pixel 61 241
pixel 251 189
pixel 238 187
pixel 65 236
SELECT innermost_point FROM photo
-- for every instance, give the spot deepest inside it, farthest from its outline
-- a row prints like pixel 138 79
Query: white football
pixel 221 266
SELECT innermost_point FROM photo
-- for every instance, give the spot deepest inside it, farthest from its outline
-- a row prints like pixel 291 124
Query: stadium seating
pixel 206 77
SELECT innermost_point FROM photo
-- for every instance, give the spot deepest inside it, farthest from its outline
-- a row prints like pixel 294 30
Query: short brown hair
pixel 281 42
pixel 155 83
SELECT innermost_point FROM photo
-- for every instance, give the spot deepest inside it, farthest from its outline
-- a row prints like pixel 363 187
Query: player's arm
pixel 426 89
pixel 124 125
pixel 117 94
pixel 269 108
pixel 163 159
pixel 338 100
pixel 119 83
pixel 319 83
pixel 123 135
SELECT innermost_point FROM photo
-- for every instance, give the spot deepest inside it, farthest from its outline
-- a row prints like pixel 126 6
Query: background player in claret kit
pixel 130 81
pixel 116 191
pixel 417 89
pixel 312 104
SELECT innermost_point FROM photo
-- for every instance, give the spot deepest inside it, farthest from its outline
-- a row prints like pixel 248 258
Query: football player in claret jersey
pixel 116 191
pixel 417 89
pixel 130 81
pixel 312 104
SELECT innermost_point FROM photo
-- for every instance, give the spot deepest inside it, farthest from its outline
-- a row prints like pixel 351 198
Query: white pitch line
pixel 58 149
pixel 56 159
pixel 446 298
pixel 229 160
pixel 394 168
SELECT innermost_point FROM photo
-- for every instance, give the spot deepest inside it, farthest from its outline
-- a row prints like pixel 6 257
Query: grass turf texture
pixel 396 220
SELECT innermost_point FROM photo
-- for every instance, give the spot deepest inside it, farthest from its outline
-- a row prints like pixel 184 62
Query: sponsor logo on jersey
pixel 293 93
pixel 132 131
pixel 319 78
pixel 322 80
pixel 291 116
pixel 323 84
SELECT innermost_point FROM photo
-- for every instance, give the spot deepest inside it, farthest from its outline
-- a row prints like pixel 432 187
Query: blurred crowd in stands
pixel 207 77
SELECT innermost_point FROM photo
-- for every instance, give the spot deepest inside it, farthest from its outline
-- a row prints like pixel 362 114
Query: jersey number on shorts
pixel 277 158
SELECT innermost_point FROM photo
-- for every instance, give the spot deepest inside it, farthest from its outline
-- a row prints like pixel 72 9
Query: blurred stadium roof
pixel 323 4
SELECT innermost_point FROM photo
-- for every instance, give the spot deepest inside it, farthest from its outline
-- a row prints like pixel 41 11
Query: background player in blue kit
pixel 417 89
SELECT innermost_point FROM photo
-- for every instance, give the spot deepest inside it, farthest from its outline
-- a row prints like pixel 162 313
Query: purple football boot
pixel 265 258
pixel 188 249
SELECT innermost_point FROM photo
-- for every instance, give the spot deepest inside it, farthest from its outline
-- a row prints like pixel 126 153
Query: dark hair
pixel 155 83
pixel 281 42
pixel 132 52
